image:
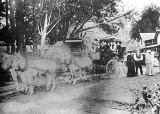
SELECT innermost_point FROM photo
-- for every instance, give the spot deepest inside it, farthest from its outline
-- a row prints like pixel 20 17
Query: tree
pixel 78 12
pixel 147 23
pixel 2 11
pixel 149 18
pixel 37 19
pixel 49 18
pixel 60 16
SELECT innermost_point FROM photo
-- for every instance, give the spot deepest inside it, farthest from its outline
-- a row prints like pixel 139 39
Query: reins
pixel 27 64
pixel 75 61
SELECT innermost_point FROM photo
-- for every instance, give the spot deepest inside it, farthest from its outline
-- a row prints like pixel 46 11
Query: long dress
pixel 149 64
pixel 131 66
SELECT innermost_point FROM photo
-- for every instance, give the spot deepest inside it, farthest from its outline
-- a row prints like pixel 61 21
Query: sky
pixel 139 4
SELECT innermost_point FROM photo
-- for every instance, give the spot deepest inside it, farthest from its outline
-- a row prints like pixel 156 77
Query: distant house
pixel 151 40
pixel 86 40
pixel 95 32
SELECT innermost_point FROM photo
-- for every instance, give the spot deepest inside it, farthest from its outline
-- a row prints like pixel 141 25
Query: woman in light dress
pixel 149 63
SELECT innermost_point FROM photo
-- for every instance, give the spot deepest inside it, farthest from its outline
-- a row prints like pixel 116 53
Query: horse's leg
pixel 75 75
pixel 80 74
pixel 53 82
pixel 84 75
pixel 49 81
pixel 17 85
pixel 71 73
pixel 31 90
pixel 24 84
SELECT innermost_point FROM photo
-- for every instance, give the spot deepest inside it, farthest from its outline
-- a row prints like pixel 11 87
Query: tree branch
pixel 79 21
pixel 40 28
pixel 107 22
pixel 80 28
pixel 53 26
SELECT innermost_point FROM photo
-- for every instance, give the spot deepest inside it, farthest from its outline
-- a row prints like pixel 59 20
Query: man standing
pixel 138 61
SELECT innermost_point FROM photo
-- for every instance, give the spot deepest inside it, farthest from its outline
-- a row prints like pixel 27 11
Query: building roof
pixel 147 36
pixel 155 45
pixel 96 32
pixel 73 40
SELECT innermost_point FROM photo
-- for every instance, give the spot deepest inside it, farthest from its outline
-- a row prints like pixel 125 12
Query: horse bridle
pixel 8 63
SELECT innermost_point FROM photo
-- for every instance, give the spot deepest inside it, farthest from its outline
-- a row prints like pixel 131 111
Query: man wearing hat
pixel 138 62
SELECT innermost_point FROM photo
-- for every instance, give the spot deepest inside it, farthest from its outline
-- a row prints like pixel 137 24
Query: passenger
pixel 102 50
pixel 130 65
pixel 119 48
pixel 105 52
pixel 107 46
pixel 113 46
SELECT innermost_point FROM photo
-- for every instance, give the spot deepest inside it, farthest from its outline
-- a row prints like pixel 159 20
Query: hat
pixel 148 51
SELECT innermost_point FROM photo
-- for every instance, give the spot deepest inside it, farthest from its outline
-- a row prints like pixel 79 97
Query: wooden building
pixel 151 41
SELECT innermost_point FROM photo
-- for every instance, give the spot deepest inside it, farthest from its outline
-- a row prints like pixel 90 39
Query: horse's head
pixel 19 62
pixel 66 58
pixel 7 61
pixel 15 62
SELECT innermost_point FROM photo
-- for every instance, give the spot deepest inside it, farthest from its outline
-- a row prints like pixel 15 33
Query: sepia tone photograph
pixel 79 57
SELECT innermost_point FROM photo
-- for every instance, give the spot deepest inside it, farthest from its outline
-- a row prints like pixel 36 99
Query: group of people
pixel 134 62
pixel 107 48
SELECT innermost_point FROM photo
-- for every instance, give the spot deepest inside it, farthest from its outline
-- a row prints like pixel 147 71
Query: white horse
pixel 30 69
pixel 78 67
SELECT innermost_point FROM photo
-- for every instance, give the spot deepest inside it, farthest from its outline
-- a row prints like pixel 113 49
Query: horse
pixel 78 66
pixel 77 72
pixel 6 60
pixel 29 70
pixel 33 77
pixel 21 63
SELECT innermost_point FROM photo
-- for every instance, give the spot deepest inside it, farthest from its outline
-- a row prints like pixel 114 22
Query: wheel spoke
pixel 112 69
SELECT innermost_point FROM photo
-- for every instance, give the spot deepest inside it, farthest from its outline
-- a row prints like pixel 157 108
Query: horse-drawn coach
pixel 58 65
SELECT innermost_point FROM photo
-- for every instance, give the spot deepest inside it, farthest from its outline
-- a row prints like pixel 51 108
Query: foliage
pixel 2 9
pixel 149 100
pixel 28 17
pixel 133 45
pixel 149 20
pixel 2 12
pixel 147 23
pixel 78 12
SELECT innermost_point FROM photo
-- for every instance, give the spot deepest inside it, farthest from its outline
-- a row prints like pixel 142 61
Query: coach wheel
pixel 112 69
pixel 125 69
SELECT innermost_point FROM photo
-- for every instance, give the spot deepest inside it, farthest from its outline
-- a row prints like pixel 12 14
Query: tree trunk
pixel 35 46
pixel 12 47
pixel 35 37
pixel 20 44
pixel 66 30
pixel 43 36
pixel 7 25
pixel 8 48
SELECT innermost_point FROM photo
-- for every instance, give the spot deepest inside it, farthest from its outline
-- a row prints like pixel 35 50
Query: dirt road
pixel 103 96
